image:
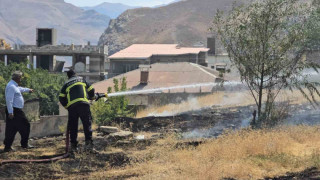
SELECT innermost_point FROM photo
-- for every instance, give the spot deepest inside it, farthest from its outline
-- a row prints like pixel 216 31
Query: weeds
pixel 244 154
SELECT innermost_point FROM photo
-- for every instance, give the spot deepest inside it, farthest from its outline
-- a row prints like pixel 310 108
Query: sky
pixel 143 3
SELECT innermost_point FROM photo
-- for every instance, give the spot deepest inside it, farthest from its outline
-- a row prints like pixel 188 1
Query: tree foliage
pixel 267 41
pixel 46 85
pixel 104 112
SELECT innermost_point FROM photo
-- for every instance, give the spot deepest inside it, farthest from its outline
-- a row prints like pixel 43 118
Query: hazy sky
pixel 144 3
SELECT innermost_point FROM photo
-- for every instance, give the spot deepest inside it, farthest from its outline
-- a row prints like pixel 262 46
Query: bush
pixel 46 85
pixel 105 112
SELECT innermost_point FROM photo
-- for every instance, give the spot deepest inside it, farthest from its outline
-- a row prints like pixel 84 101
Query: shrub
pixel 105 111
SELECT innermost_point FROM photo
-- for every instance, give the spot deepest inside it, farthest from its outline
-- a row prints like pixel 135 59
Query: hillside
pixel 20 18
pixel 113 10
pixel 184 22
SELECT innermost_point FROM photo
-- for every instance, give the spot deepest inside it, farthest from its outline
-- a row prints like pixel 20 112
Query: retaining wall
pixel 46 126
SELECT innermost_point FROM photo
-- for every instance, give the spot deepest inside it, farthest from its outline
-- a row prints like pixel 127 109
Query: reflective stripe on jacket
pixel 76 89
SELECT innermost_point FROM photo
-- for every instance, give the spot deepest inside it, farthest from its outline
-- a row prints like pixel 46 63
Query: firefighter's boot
pixel 73 150
pixel 89 147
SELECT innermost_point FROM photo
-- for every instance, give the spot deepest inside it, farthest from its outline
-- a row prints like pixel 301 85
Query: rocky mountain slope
pixel 184 22
pixel 20 18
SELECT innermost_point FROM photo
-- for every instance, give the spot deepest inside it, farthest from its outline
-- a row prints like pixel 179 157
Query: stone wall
pixel 31 109
pixel 46 126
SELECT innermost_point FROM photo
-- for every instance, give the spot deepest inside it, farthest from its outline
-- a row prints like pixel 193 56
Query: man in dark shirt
pixel 74 96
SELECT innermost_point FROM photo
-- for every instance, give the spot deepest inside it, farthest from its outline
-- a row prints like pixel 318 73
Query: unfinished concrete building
pixel 88 60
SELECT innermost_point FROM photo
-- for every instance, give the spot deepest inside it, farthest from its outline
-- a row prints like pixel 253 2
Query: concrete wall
pixel 46 126
pixel 138 100
pixel 201 58
pixel 213 60
pixel 95 64
pixel 218 59
pixel 122 66
pixel 62 111
pixel 31 109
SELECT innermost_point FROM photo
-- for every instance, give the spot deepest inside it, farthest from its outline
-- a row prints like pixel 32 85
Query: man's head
pixel 16 76
pixel 71 73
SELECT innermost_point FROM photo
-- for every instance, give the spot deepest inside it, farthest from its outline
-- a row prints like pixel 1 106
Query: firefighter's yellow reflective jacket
pixel 75 90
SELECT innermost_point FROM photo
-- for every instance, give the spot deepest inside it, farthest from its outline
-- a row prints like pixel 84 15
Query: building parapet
pixel 57 49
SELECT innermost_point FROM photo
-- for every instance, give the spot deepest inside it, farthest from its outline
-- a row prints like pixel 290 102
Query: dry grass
pixel 246 154
pixel 220 99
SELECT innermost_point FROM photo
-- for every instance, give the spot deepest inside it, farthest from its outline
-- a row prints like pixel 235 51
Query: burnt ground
pixel 213 120
pixel 308 174
pixel 205 123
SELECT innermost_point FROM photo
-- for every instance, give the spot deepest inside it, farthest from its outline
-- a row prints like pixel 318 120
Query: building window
pixel 212 67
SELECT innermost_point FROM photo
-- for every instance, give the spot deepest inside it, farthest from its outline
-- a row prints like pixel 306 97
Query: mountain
pixel 185 23
pixel 113 10
pixel 174 1
pixel 20 18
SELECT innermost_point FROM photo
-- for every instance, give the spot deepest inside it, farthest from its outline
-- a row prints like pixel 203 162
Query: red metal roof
pixel 143 51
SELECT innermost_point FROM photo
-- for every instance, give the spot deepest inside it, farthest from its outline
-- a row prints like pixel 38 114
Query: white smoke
pixel 190 104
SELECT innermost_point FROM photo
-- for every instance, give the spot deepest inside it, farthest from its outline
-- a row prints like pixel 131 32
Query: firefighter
pixel 74 96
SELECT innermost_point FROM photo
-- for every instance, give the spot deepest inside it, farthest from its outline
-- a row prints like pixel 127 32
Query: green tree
pixel 266 41
pixel 105 112
pixel 46 85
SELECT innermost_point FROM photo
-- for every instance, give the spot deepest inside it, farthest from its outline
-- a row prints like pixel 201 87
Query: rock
pixel 122 143
pixel 155 136
pixel 108 129
pixel 139 137
pixel 121 135
pixel 174 130
pixel 100 134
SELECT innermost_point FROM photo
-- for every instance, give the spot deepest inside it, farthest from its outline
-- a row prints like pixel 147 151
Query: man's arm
pixel 9 99
pixel 23 90
pixel 90 90
pixel 63 97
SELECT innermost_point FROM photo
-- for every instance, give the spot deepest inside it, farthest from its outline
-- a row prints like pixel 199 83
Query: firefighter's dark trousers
pixel 20 124
pixel 81 110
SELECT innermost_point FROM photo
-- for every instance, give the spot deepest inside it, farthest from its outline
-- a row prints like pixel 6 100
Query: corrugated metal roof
pixel 165 75
pixel 143 51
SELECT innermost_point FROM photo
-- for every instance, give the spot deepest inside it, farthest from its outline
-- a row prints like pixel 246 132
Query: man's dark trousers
pixel 81 110
pixel 20 124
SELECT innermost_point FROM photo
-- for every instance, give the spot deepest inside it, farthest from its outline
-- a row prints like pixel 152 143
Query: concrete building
pixel 88 61
pixel 217 59
pixel 137 54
